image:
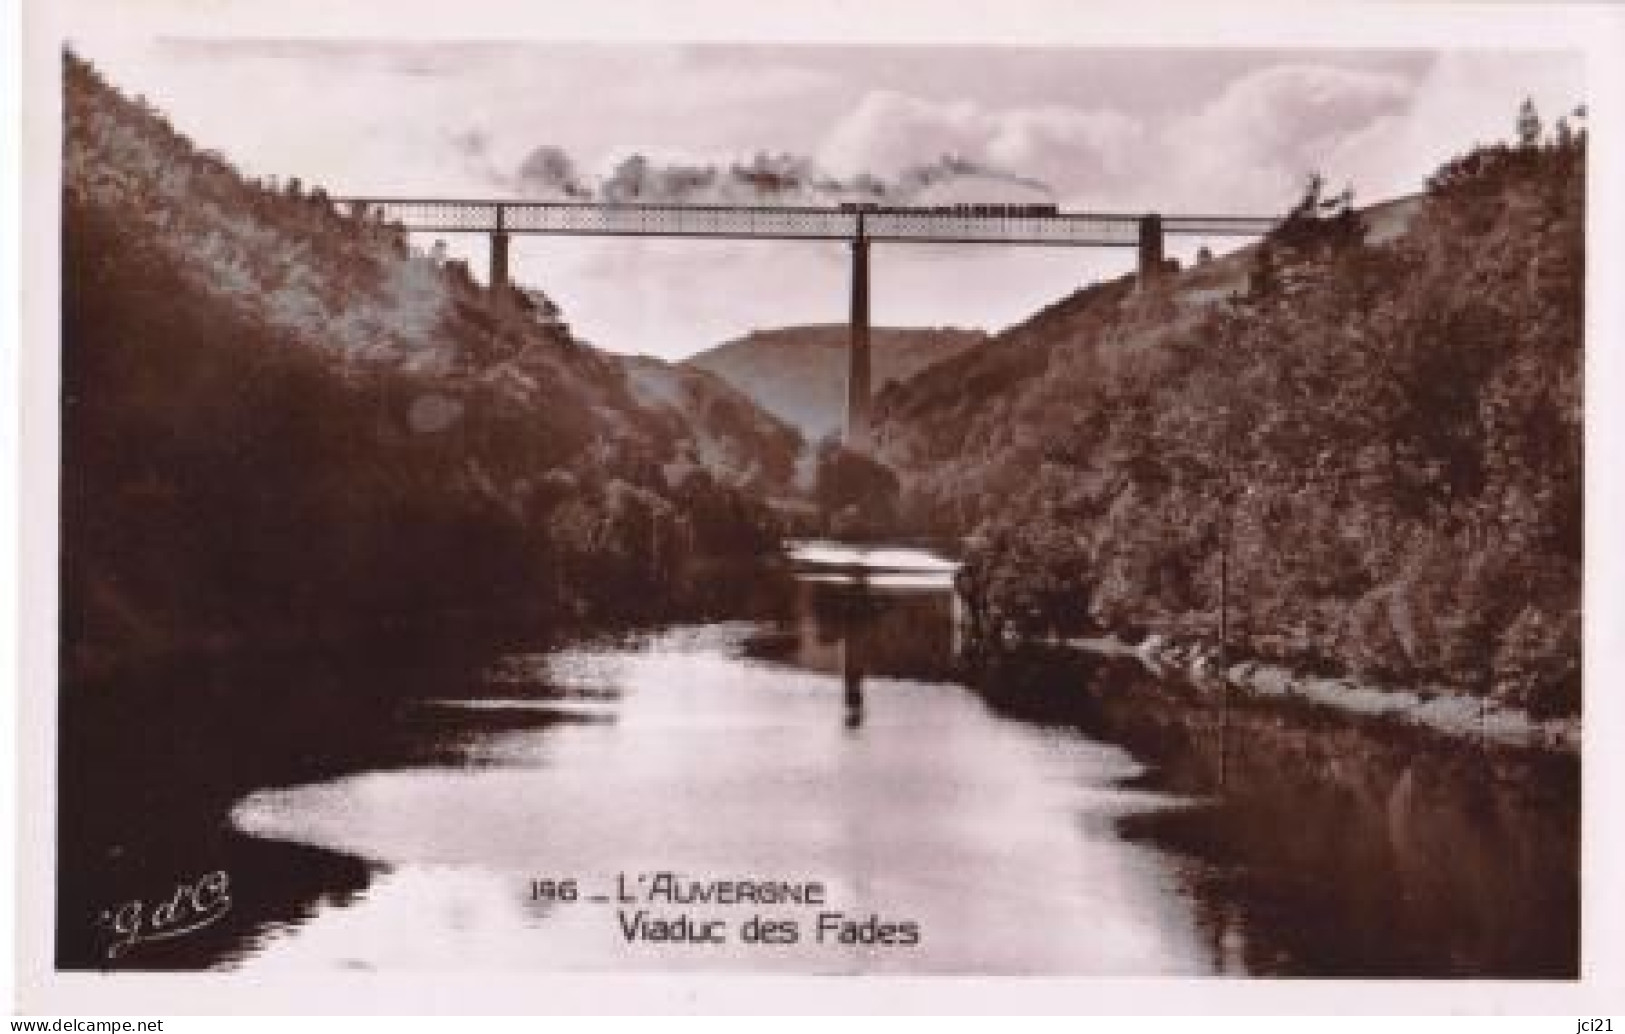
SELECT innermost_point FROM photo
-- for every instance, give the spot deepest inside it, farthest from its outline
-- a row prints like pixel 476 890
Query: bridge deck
pixel 1087 229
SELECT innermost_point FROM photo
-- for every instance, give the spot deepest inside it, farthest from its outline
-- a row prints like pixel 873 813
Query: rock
pixel 1270 680
pixel 1437 708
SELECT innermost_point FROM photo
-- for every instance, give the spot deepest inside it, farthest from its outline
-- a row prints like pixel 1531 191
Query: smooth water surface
pixel 1059 816
pixel 831 749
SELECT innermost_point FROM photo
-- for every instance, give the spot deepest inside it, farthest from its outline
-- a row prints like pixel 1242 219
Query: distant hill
pixel 799 373
pixel 725 431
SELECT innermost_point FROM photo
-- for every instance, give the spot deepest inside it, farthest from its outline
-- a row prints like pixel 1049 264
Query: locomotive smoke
pixel 549 172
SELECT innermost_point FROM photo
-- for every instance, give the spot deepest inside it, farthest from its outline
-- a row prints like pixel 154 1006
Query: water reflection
pixel 884 612
pixel 852 677
pixel 1333 848
pixel 830 745
pixel 1054 816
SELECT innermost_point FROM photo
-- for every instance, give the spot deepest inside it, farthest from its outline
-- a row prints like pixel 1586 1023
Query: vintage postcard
pixel 673 506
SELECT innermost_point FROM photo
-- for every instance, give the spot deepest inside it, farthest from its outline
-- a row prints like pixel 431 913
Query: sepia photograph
pixel 552 504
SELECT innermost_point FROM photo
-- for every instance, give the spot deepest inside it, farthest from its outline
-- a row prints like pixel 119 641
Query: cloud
pixel 1250 148
pixel 1463 99
pixel 1382 133
pixel 1247 148
pixel 1063 147
pixel 1061 143
pixel 1287 110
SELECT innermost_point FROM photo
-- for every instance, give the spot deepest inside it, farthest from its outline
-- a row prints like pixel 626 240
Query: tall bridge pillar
pixel 1150 248
pixel 499 261
pixel 499 253
pixel 857 370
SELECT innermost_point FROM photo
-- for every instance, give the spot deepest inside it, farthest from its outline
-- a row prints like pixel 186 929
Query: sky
pixel 1204 131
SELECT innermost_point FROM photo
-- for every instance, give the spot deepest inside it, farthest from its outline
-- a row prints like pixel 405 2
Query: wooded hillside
pixel 1378 444
pixel 285 426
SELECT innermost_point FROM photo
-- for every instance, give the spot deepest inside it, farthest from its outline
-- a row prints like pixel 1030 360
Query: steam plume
pixel 549 173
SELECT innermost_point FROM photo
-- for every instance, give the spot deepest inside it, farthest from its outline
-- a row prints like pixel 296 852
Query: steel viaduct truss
pixel 859 227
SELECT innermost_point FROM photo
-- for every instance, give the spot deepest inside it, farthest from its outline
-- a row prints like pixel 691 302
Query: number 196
pixel 565 890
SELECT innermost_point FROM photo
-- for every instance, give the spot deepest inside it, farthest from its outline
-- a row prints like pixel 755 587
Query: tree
pixel 1317 220
pixel 1262 279
pixel 1529 127
pixel 1565 135
pixel 850 482
pixel 1406 416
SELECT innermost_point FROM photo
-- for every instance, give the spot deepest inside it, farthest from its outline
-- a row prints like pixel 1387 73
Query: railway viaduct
pixel 859 226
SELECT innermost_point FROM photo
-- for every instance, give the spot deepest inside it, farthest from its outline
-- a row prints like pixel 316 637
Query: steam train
pixel 870 208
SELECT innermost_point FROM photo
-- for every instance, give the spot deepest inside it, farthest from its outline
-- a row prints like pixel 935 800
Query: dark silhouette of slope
pixel 282 426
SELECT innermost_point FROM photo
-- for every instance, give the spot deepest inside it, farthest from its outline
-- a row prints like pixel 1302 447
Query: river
pixel 1058 818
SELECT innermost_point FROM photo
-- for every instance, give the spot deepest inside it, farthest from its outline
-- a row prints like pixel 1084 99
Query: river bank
pixel 1437 710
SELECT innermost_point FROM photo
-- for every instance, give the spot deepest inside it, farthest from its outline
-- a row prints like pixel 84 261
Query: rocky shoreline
pixel 1439 710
